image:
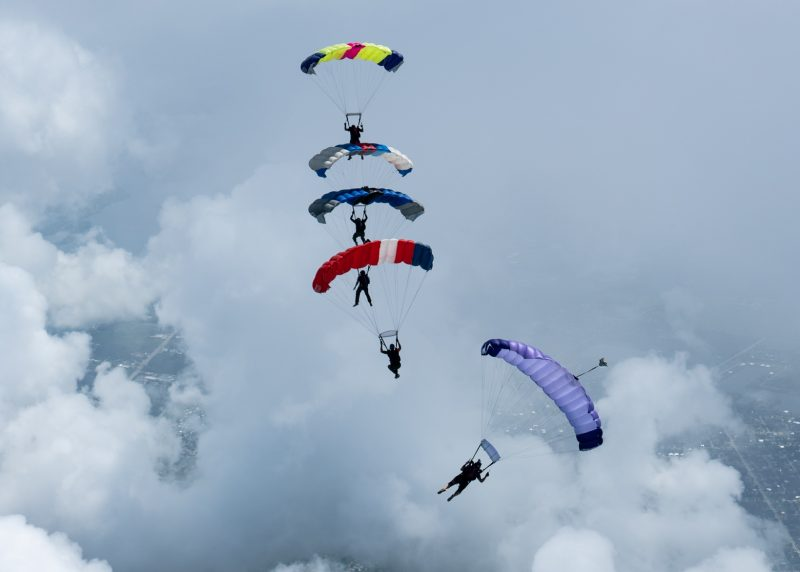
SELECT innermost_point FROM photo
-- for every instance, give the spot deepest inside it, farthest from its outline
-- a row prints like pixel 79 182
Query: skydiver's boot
pixel 440 491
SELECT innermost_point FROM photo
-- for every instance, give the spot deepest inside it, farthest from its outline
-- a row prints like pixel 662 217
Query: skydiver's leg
pixel 366 292
pixel 355 236
pixel 358 295
pixel 461 486
pixel 448 485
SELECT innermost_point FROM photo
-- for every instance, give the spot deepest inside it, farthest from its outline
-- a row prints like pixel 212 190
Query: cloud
pixel 348 466
pixel 734 560
pixel 95 283
pixel 572 550
pixel 596 207
pixel 70 460
pixel 24 547
pixel 36 364
pixel 61 119
pixel 316 564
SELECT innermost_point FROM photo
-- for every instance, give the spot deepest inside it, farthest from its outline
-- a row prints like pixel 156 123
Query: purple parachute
pixel 559 385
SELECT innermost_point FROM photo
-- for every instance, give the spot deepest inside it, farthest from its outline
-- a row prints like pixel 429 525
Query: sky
pixel 612 179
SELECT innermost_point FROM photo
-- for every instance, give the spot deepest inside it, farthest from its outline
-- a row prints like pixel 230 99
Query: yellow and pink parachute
pixel 351 73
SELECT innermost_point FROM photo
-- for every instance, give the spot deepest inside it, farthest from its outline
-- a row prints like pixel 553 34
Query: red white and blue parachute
pixel 386 251
pixel 397 269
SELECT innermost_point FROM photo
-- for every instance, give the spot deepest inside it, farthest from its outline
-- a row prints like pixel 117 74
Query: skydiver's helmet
pixel 391 346
pixel 362 273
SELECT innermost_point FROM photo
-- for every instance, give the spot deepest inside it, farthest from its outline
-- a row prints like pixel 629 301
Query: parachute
pixel 385 57
pixel 396 267
pixel 387 251
pixel 407 206
pixel 389 211
pixel 548 407
pixel 324 160
pixel 351 73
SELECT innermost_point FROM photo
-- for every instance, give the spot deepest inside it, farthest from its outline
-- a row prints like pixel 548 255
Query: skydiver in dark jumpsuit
pixel 355 136
pixel 470 471
pixel 361 226
pixel 362 285
pixel 355 133
pixel 394 356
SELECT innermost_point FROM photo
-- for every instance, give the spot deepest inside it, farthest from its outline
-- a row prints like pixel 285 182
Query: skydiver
pixel 355 133
pixel 470 471
pixel 361 226
pixel 394 356
pixel 362 285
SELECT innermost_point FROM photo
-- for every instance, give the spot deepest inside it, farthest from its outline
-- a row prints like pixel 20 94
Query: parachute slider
pixel 491 451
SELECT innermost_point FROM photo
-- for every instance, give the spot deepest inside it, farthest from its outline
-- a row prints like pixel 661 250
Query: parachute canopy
pixel 407 206
pixel 557 383
pixel 391 250
pixel 385 57
pixel 324 160
pixel 350 74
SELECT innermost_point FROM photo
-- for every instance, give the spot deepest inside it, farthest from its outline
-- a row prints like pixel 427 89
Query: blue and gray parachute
pixel 407 206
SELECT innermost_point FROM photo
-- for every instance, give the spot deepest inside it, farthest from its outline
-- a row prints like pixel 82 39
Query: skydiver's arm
pixel 353 215
pixel 484 478
pixel 365 215
pixel 345 125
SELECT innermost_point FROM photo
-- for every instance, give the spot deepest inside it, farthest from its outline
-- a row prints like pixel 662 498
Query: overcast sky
pixel 612 179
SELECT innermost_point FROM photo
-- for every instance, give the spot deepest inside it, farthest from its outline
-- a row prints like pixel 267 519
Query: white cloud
pixel 61 122
pixel 359 467
pixel 25 548
pixel 69 459
pixel 35 363
pixel 95 283
pixel 734 560
pixel 316 564
pixel 571 550
pixel 74 463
